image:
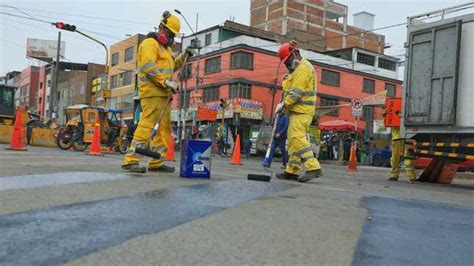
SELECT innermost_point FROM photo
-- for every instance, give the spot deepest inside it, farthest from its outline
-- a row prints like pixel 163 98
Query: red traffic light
pixel 62 26
pixel 59 25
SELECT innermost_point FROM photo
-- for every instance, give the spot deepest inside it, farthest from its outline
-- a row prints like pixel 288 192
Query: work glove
pixel 190 51
pixel 279 108
pixel 172 86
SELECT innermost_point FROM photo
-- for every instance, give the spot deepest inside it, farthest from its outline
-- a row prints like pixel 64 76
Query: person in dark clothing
pixel 247 144
pixel 347 147
pixel 279 140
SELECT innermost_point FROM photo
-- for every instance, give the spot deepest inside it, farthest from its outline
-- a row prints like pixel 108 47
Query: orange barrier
pixel 17 141
pixel 95 147
pixel 352 167
pixel 236 155
pixel 170 153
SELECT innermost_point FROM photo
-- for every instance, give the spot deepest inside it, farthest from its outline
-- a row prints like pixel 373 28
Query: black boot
pixel 310 175
pixel 134 168
pixel 287 176
pixel 162 169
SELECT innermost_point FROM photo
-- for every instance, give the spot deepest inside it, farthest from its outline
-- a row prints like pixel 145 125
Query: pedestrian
pixel 347 146
pixel 300 101
pixel 155 65
pixel 371 150
pixel 398 146
pixel 279 140
pixel 335 146
pixel 330 150
pixel 247 144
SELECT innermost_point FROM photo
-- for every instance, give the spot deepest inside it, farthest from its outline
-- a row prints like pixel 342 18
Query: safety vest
pixel 300 89
pixel 155 64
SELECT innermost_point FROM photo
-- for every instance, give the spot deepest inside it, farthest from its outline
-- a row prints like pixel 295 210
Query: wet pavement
pixel 415 232
pixel 60 234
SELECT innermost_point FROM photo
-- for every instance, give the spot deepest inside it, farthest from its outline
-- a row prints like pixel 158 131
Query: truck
pixel 438 92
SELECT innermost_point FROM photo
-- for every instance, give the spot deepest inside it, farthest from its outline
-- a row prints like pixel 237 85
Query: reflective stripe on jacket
pixel 155 64
pixel 300 89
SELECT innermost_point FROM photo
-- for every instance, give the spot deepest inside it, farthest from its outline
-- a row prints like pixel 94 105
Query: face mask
pixel 162 39
pixel 170 41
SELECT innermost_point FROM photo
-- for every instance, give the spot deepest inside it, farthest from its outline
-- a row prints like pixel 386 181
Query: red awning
pixel 338 125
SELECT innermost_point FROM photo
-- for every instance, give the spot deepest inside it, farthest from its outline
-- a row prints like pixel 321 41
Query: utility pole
pixel 54 88
pixel 197 45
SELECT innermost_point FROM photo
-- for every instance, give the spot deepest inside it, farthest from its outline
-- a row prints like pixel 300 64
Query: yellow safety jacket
pixel 300 89
pixel 155 64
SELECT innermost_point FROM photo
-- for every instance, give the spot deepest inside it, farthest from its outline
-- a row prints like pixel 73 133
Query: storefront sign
pixel 204 114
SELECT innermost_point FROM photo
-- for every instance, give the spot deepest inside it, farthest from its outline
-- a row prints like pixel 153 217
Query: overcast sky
pixel 101 18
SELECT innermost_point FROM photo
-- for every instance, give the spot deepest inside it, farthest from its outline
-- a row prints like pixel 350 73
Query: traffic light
pixel 223 103
pixel 63 26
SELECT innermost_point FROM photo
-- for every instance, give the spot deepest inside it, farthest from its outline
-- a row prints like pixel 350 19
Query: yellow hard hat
pixel 171 22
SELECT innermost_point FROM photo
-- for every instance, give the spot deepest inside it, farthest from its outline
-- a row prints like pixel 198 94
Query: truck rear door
pixel 432 75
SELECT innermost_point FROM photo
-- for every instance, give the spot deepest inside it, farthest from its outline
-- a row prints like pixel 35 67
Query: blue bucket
pixel 196 159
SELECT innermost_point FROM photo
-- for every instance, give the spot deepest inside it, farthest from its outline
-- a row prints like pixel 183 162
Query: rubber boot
pixel 162 169
pixel 310 175
pixel 286 176
pixel 134 168
pixel 393 178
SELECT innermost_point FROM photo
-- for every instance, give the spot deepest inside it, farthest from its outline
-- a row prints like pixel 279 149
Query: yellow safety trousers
pixel 299 147
pixel 397 147
pixel 151 108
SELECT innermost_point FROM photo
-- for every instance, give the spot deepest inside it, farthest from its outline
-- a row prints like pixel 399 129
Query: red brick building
pixel 322 23
pixel 246 72
pixel 28 88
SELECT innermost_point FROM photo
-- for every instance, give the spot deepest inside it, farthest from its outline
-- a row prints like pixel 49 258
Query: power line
pixel 84 16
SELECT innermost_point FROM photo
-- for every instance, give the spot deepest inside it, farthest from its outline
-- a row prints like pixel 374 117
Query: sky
pixel 112 20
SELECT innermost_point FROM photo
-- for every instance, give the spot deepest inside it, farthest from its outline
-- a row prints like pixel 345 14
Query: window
pixel 82 89
pixel 391 90
pixel 181 99
pixel 241 60
pixel 211 94
pixel 128 54
pixel 330 78
pixel 240 90
pixel 187 72
pixel 387 64
pixel 369 86
pixel 115 59
pixel 213 65
pixel 113 82
pixel 368 113
pixel 326 101
pixel 112 102
pixel 127 102
pixel 126 78
pixel 365 59
pixel 208 39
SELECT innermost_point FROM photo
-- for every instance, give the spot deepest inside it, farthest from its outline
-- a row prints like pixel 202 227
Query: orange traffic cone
pixel 17 142
pixel 95 147
pixel 352 167
pixel 170 153
pixel 236 154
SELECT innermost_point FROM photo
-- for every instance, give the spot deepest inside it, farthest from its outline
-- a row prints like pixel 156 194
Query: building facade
pixel 325 20
pixel 241 67
pixel 122 74
pixel 27 91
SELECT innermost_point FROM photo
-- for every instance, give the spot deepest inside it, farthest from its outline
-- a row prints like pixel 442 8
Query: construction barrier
pixel 43 137
pixel 6 132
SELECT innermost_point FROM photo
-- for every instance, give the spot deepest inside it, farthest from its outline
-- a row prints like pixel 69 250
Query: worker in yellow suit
pixel 155 67
pixel 300 100
pixel 399 147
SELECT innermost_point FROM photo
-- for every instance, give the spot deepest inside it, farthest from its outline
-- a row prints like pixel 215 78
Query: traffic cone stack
pixel 352 167
pixel 17 142
pixel 170 153
pixel 236 154
pixel 95 147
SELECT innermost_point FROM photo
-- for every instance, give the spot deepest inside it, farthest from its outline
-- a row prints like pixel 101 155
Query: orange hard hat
pixel 286 50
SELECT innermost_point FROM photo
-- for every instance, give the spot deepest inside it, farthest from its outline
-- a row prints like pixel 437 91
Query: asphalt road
pixel 62 207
